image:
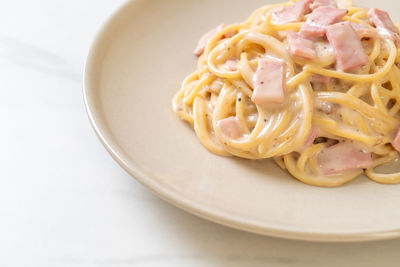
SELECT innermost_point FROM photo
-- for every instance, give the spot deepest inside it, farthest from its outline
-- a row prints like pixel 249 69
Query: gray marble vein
pixel 29 56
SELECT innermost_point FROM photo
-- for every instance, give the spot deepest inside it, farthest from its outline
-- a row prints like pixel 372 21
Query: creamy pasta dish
pixel 313 84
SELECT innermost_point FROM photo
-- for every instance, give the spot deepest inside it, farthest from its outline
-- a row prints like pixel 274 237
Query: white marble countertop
pixel 65 202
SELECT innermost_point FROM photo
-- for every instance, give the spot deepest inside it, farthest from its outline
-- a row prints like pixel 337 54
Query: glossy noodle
pixel 335 118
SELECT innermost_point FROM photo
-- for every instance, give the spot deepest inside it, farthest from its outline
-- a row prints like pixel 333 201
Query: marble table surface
pixel 65 202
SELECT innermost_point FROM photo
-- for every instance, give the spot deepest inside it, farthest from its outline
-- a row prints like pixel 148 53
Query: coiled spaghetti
pixel 360 106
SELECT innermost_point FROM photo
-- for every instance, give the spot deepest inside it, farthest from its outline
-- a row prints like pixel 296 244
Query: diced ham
pixel 318 3
pixel 201 45
pixel 343 157
pixel 310 31
pixel 363 31
pixel 299 46
pixel 396 141
pixel 231 64
pixel 316 78
pixel 293 13
pixel 347 46
pixel 268 82
pixel 310 139
pixel 384 24
pixel 381 19
pixel 230 127
pixel 319 19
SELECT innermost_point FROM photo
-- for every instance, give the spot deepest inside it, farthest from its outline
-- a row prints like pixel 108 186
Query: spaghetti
pixel 332 123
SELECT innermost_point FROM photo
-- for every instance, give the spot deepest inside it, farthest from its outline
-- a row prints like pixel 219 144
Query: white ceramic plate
pixel 134 68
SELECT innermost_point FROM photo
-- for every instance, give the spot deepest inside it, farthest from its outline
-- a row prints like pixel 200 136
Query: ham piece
pixel 364 31
pixel 230 127
pixel 343 157
pixel 310 139
pixel 384 24
pixel 293 13
pixel 347 46
pixel 396 141
pixel 268 82
pixel 299 46
pixel 319 19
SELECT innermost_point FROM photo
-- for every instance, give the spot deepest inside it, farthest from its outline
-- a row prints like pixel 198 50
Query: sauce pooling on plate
pixel 313 84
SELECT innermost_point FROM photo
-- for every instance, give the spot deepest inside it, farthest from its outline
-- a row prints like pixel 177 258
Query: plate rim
pixel 174 198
